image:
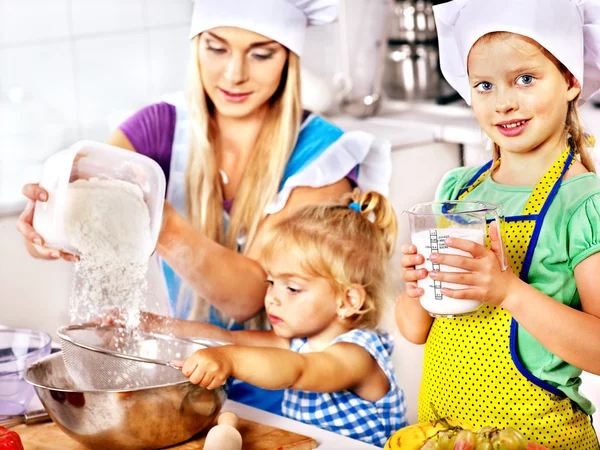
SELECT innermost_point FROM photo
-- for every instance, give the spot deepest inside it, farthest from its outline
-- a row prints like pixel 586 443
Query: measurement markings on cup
pixel 437 285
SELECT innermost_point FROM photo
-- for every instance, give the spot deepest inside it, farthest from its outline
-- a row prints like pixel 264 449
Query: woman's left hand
pixel 208 367
pixel 488 281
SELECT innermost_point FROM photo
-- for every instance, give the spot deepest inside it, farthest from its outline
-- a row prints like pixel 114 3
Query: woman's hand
pixel 151 322
pixel 410 274
pixel 33 241
pixel 208 367
pixel 488 281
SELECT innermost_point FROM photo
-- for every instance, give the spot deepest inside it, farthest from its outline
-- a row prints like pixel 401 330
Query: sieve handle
pixel 37 416
pixel 170 364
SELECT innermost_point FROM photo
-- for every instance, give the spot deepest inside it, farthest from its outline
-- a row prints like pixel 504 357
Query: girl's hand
pixel 410 274
pixel 208 367
pixel 484 273
pixel 33 241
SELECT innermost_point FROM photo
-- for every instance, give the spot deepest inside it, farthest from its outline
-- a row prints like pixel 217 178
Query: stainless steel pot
pixel 412 72
pixel 146 418
pixel 413 21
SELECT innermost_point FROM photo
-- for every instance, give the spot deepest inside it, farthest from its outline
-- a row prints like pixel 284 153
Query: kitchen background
pixel 74 69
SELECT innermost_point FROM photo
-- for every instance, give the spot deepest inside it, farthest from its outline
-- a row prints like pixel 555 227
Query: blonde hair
pixel 348 248
pixel 577 138
pixel 266 165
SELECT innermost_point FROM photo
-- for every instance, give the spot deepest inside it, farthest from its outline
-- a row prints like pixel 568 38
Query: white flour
pixel 109 223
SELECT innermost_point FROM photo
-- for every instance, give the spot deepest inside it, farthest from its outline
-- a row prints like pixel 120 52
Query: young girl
pixel 517 361
pixel 326 271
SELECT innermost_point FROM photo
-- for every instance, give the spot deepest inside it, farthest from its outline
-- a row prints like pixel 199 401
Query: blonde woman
pixel 238 158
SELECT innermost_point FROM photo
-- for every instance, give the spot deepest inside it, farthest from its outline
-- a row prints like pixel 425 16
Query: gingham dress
pixel 344 412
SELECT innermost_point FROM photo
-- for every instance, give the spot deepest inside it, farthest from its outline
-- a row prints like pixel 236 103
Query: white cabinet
pixel 416 174
pixel 33 293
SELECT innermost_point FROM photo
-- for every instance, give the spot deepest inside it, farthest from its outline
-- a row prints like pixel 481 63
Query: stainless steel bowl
pixel 145 418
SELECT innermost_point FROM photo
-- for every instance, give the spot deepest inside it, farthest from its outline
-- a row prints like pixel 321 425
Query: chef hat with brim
pixel 284 21
pixel 569 29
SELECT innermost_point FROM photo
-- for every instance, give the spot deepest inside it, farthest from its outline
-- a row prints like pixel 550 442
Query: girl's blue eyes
pixel 525 79
pixel 258 56
pixel 484 86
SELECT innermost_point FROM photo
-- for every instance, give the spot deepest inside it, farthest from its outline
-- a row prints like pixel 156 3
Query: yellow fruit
pixel 415 436
pixel 408 438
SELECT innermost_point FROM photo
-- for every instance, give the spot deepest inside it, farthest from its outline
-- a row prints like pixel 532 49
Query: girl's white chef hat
pixel 569 29
pixel 284 21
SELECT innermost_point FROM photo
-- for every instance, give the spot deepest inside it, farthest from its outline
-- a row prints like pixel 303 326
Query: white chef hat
pixel 284 21
pixel 569 29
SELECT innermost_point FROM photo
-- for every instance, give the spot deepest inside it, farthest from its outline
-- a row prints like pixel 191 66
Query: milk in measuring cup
pixel 433 241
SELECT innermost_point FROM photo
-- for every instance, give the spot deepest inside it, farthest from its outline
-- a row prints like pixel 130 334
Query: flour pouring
pixel 105 207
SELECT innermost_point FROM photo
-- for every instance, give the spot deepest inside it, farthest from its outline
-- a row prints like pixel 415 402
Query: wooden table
pixel 255 436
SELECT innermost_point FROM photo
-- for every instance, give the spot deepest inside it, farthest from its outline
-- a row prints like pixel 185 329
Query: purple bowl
pixel 19 348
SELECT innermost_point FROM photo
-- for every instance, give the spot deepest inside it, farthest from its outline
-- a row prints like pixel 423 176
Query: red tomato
pixel 9 440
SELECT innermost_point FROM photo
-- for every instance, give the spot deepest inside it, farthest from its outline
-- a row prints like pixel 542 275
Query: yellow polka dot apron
pixel 472 369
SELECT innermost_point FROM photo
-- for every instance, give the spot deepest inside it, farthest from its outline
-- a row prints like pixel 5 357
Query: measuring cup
pixel 430 225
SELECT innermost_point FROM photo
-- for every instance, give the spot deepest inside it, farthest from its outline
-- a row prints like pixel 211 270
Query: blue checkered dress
pixel 344 412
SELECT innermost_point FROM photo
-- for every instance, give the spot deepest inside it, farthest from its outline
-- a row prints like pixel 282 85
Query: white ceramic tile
pixel 44 73
pixel 101 16
pixel 32 20
pixel 168 55
pixel 167 12
pixel 112 74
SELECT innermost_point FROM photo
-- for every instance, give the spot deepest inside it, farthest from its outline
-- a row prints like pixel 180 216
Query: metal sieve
pixel 113 358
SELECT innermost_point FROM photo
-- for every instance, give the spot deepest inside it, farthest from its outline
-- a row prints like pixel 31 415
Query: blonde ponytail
pixel 348 243
pixel 578 139
pixel 377 209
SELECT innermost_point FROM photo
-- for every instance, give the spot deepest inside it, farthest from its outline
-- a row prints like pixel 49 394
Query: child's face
pixel 298 305
pixel 518 94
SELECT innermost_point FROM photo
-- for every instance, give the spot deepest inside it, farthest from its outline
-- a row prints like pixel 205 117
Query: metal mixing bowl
pixel 145 418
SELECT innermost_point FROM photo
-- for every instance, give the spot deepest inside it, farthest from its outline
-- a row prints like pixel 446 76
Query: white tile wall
pixel 89 58
pixel 167 12
pixel 33 20
pixel 94 17
pixel 112 72
pixel 167 48
pixel 45 72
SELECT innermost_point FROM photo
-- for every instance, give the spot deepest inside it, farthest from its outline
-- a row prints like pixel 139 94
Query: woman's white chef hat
pixel 569 29
pixel 284 21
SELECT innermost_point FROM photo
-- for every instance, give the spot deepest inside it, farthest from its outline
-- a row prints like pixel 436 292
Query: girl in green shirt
pixel 516 361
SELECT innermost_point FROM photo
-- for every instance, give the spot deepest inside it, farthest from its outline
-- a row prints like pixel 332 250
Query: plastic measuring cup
pixel 430 225
pixel 89 159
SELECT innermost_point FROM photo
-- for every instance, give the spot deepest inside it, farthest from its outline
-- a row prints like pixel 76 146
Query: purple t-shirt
pixel 151 131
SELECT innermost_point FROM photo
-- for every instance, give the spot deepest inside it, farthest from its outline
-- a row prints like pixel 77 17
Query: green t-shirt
pixel 570 233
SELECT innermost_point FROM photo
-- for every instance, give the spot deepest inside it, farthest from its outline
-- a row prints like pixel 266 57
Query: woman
pixel 242 136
